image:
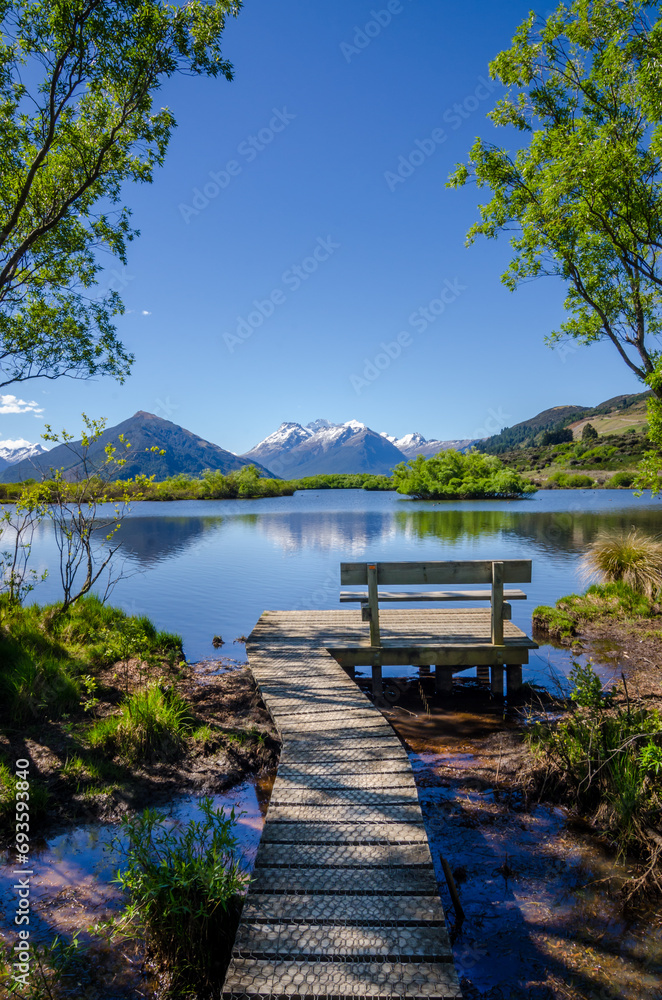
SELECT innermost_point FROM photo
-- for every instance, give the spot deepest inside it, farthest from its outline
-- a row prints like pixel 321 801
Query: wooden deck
pixel 344 899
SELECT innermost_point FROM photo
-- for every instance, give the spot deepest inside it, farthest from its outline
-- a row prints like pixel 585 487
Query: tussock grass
pixel 633 558
pixel 608 600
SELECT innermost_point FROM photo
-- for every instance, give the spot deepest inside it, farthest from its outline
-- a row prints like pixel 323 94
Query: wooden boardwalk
pixel 344 899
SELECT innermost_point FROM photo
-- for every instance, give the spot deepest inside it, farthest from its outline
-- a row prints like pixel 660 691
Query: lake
pixel 206 568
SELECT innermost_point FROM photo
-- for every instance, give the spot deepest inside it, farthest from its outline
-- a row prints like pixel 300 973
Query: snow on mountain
pixel 293 451
pixel 415 444
pixel 15 451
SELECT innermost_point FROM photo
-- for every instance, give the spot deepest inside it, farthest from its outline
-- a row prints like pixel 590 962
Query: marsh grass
pixel 633 558
pixel 38 798
pixel 185 887
pixel 602 600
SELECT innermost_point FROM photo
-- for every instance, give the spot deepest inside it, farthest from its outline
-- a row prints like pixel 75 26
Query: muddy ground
pixel 222 695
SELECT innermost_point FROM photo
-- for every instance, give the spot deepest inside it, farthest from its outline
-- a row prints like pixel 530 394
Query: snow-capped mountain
pixel 12 452
pixel 415 444
pixel 294 451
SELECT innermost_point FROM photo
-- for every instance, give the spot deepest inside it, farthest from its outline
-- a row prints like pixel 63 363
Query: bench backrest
pixel 464 571
pixel 494 572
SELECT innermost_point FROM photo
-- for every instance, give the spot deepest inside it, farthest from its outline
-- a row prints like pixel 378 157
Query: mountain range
pixel 295 450
pixel 184 453
pixel 12 452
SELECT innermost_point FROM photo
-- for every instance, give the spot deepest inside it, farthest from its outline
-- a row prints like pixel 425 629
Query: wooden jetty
pixel 344 899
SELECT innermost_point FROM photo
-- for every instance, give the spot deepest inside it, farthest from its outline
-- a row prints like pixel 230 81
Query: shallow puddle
pixel 71 888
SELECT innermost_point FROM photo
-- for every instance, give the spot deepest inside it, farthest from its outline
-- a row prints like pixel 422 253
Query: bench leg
pixel 513 678
pixel 443 679
pixel 497 681
pixel 377 689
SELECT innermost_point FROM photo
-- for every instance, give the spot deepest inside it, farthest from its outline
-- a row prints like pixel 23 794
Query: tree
pixel 583 196
pixel 589 433
pixel 67 144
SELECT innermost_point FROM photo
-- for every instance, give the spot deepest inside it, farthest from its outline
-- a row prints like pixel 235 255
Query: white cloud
pixel 18 443
pixel 12 404
pixel 145 312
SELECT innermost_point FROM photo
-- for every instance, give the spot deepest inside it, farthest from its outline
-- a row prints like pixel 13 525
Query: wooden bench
pixel 482 642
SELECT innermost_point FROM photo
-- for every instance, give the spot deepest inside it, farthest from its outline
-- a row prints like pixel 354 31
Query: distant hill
pixel 617 413
pixel 415 444
pixel 185 452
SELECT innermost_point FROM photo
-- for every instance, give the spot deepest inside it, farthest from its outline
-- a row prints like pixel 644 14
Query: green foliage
pixel 589 433
pixel 344 481
pixel 51 966
pixel 78 83
pixel 606 760
pixel 452 475
pixel 583 193
pixel 152 723
pixel 185 888
pixel 632 558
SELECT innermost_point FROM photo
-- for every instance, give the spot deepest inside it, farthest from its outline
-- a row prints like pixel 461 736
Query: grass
pixel 45 660
pixel 606 762
pixel 185 888
pixel 601 601
pixel 152 723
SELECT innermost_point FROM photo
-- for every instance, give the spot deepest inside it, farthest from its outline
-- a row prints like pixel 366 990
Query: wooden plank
pixel 457 655
pixel 347 596
pixel 465 571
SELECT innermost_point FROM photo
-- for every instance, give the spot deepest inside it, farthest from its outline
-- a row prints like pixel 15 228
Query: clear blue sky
pixel 313 129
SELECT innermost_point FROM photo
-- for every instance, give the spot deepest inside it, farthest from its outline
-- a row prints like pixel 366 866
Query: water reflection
pixel 150 540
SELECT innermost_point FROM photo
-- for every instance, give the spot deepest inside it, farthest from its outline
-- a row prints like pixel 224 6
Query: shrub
pixel 185 890
pixel 606 761
pixel 621 480
pixel 633 558
pixel 453 475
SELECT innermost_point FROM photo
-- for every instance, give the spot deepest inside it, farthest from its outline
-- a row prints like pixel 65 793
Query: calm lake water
pixel 210 568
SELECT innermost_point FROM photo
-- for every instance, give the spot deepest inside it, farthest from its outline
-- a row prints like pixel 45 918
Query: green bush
pixel 621 480
pixel 185 888
pixel 453 475
pixel 589 433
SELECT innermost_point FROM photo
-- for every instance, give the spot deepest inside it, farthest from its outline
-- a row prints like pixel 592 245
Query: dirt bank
pixel 84 785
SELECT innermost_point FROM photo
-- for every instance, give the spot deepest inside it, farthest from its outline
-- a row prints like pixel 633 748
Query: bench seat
pixel 432 595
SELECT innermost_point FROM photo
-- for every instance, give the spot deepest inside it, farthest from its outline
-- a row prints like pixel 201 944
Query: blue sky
pixel 289 270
